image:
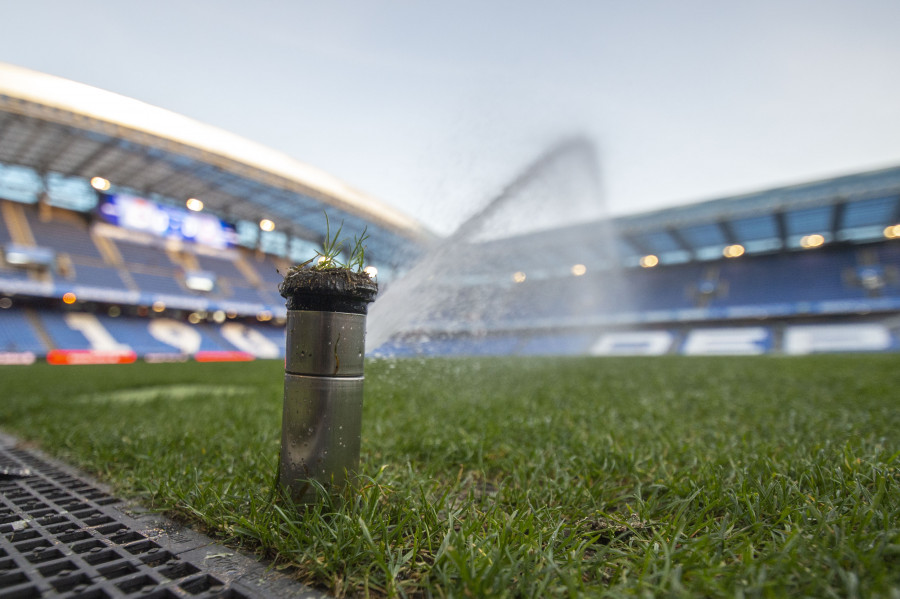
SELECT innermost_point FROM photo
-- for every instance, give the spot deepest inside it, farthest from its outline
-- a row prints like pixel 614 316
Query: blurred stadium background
pixel 129 232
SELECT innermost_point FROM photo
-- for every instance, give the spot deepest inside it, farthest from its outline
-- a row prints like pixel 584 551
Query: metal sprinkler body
pixel 323 379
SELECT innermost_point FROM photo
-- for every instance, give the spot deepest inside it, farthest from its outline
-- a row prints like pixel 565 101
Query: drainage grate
pixel 63 536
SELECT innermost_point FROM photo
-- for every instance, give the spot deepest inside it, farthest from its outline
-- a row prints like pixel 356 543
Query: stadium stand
pixel 145 255
pixel 102 277
pixel 16 333
pixel 842 279
pixel 67 335
pixel 222 267
pixel 71 237
pixel 102 251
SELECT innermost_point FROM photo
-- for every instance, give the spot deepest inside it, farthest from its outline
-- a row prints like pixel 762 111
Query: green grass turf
pixel 520 477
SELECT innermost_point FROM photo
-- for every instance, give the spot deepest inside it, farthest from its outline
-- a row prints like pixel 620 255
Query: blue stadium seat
pixel 63 236
pixel 267 269
pixel 222 267
pixel 134 332
pixel 16 333
pixel 15 274
pixel 133 253
pixel 96 276
pixel 245 294
pixel 63 336
pixel 809 276
pixel 166 285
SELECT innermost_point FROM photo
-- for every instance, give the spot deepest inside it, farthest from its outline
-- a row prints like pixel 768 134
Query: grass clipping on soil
pixel 334 289
pixel 328 281
pixel 327 275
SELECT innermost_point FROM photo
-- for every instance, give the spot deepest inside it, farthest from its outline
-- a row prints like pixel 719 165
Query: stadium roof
pixel 849 208
pixel 55 125
pixel 857 208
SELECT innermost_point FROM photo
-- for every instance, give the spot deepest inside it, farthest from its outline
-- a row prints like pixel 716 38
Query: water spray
pixel 457 285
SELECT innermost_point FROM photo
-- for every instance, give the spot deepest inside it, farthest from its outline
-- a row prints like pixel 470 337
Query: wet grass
pixel 527 477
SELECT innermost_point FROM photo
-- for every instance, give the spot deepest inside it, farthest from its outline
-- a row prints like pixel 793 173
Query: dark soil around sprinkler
pixel 328 290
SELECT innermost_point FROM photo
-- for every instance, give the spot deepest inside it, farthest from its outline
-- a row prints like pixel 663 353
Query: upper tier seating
pixel 796 277
pixel 63 236
pixel 97 276
pixel 222 267
pixel 152 283
pixel 148 255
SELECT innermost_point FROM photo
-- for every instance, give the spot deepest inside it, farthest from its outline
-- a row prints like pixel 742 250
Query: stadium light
pixel 733 251
pixel 371 271
pixel 892 232
pixel 519 277
pixel 100 184
pixel 649 261
pixel 266 225
pixel 812 241
pixel 158 306
pixel 579 269
pixel 194 204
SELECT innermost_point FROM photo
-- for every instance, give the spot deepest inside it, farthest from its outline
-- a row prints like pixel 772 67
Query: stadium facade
pixel 105 258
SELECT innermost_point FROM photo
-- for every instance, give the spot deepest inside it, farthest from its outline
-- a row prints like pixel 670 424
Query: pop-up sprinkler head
pixel 323 380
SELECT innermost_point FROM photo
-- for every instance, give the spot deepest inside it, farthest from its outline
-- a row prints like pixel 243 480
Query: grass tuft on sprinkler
pixel 326 281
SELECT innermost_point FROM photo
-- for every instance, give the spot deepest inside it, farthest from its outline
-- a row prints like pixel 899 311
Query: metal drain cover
pixel 62 535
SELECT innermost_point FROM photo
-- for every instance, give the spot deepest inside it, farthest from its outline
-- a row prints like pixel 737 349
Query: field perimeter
pixel 520 477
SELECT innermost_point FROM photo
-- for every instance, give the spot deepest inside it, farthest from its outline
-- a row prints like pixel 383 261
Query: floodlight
pixel 579 269
pixel 519 277
pixel 194 204
pixel 733 251
pixel 100 184
pixel 371 271
pixel 812 241
pixel 649 261
pixel 266 225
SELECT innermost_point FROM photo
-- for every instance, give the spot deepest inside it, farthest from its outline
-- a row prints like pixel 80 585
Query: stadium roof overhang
pixel 55 125
pixel 851 208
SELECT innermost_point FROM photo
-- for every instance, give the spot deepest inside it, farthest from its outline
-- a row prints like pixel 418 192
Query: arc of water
pixel 413 299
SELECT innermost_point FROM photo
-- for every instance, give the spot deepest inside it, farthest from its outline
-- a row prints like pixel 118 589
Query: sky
pixel 433 107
